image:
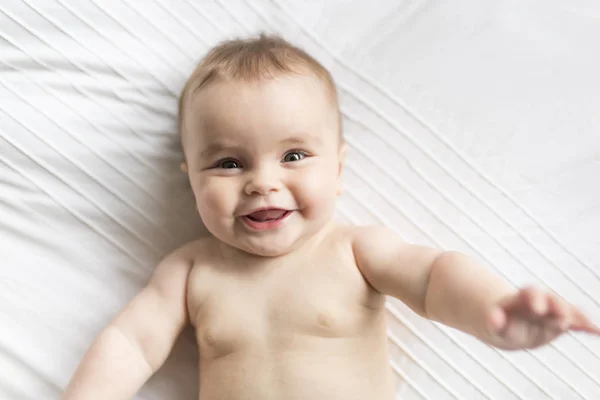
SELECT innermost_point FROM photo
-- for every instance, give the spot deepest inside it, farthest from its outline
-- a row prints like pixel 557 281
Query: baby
pixel 286 302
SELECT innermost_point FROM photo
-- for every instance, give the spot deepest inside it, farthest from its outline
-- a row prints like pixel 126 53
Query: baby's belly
pixel 312 369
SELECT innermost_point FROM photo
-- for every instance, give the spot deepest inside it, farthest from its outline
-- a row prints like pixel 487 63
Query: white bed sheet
pixel 472 125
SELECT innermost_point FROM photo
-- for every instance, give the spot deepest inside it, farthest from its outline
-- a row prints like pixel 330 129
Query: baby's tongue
pixel 265 215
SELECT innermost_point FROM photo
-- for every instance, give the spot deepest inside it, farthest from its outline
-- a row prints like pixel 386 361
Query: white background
pixel 473 125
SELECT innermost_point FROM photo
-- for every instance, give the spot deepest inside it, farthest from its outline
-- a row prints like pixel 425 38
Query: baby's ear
pixel 183 167
pixel 341 162
pixel 342 157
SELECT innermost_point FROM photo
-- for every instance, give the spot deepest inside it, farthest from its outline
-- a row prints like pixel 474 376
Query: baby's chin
pixel 267 253
pixel 266 247
pixel 273 244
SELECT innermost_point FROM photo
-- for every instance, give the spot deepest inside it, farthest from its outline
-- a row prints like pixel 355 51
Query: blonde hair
pixel 251 60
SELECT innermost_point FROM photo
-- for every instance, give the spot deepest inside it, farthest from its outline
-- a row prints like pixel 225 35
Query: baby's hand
pixel 532 318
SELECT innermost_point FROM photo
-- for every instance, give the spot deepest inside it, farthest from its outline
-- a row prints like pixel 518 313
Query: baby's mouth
pixel 272 214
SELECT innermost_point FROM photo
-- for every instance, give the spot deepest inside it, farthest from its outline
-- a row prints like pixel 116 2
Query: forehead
pixel 274 108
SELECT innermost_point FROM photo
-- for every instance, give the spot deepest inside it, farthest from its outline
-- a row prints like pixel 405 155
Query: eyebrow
pixel 216 147
pixel 302 139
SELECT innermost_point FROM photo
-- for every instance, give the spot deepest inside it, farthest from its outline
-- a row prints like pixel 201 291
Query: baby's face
pixel 264 161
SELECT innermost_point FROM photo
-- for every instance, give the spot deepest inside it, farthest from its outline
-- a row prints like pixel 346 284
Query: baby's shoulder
pixel 201 251
pixel 365 235
pixel 366 242
pixel 202 255
pixel 192 254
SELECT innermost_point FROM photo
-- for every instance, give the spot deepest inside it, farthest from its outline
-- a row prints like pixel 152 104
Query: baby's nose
pixel 262 183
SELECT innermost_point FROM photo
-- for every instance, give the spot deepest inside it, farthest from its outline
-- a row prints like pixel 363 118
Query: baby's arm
pixel 139 339
pixel 447 287
pixel 452 288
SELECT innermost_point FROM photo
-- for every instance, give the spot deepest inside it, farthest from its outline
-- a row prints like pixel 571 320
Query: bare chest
pixel 277 311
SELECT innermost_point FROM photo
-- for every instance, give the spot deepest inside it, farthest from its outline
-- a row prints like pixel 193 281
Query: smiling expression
pixel 264 161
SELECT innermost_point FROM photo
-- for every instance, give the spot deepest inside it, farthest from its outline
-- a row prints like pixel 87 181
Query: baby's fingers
pixel 516 302
pixel 561 311
pixel 496 320
pixel 583 324
pixel 529 301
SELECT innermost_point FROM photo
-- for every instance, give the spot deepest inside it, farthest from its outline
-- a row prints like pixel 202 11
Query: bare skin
pixel 308 325
pixel 294 309
pixel 304 326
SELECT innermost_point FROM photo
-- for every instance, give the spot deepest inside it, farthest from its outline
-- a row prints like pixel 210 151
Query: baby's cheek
pixel 318 190
pixel 212 201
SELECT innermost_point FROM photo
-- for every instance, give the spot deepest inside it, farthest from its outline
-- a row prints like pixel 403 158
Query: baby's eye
pixel 229 164
pixel 293 156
